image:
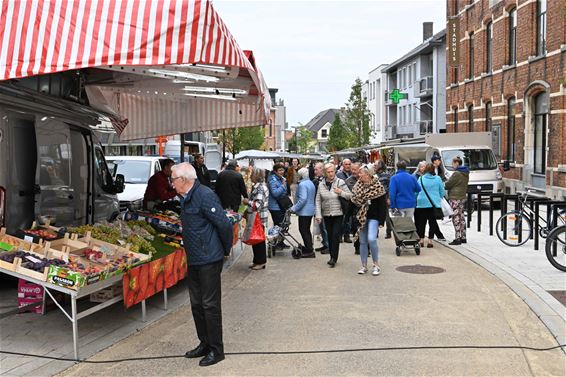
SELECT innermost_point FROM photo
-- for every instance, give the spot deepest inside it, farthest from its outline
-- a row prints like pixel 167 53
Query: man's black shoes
pixel 200 351
pixel 211 358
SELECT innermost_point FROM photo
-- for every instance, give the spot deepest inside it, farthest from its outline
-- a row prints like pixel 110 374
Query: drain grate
pixel 559 295
pixel 420 269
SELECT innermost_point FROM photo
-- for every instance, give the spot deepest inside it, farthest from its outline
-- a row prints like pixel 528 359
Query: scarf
pixel 362 194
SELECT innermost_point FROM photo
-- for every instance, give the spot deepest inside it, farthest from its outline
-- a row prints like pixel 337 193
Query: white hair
pixel 303 173
pixel 329 165
pixel 185 170
pixel 319 165
pixel 421 164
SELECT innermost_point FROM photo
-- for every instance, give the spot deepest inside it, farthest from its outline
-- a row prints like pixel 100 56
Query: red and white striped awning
pixel 47 36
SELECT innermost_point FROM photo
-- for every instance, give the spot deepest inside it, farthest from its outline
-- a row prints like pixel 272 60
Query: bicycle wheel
pixel 556 248
pixel 513 229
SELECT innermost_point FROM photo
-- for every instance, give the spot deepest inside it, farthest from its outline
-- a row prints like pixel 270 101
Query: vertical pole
pixel 75 326
pixel 182 155
pixel 143 310
pixel 491 215
pixel 479 211
pixel 223 147
pixel 165 299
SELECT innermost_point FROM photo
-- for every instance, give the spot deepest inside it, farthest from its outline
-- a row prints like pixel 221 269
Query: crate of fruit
pixel 8 243
pixel 41 232
pixel 76 273
pixel 28 263
pixel 114 259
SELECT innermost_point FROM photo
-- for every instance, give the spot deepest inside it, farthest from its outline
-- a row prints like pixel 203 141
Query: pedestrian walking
pixel 429 199
pixel 207 238
pixel 344 173
pixel 319 177
pixel 403 190
pixel 351 182
pixel 230 187
pixel 328 206
pixel 419 172
pixel 259 200
pixel 457 187
pixel 384 178
pixel 202 171
pixel 370 196
pixel 305 209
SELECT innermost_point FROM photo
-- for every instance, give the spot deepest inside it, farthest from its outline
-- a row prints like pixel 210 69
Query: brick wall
pixel 517 81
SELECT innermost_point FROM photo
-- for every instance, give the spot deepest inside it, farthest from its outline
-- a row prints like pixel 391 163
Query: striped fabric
pixel 46 36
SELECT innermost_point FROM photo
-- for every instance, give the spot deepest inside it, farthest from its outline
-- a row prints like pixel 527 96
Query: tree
pixel 303 139
pixel 241 139
pixel 357 117
pixel 338 135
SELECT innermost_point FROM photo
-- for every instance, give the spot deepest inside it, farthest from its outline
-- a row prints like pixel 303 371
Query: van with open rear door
pixel 52 166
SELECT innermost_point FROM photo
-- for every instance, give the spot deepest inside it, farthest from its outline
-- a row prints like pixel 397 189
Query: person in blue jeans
pixel 305 209
pixel 403 191
pixel 369 195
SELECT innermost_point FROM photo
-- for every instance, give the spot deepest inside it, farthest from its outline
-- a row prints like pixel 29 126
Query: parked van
pixel 51 163
pixel 474 148
pixel 136 171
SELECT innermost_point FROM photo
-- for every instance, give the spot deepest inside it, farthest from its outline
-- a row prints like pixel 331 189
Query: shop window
pixel 512 37
pixel 541 27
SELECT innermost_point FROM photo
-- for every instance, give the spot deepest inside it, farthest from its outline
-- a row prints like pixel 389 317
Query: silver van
pixel 51 163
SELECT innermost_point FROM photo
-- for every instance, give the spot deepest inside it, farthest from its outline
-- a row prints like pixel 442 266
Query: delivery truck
pixel 52 166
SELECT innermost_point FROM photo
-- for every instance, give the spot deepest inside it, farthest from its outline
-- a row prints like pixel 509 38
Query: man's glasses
pixel 174 178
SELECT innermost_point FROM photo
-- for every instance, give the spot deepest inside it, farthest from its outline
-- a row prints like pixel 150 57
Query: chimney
pixel 427 30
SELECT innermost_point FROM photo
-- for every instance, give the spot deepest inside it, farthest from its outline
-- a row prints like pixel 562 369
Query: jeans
pixel 368 237
pixel 205 295
pixel 323 234
pixel 333 226
pixel 305 230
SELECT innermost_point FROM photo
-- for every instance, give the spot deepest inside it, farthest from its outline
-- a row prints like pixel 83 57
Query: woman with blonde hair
pixel 328 206
pixel 369 195
pixel 258 202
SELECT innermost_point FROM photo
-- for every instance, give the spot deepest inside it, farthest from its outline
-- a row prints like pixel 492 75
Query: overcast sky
pixel 312 51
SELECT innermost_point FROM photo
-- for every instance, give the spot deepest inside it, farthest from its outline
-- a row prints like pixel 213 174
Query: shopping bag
pixel 446 209
pixel 253 233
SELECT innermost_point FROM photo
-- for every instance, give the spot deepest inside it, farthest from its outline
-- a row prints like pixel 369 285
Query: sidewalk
pixel 297 305
pixel 526 271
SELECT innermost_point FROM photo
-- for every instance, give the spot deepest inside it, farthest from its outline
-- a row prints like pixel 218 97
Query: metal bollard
pixel 491 202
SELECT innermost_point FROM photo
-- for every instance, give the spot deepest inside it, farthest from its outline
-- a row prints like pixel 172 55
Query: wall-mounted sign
pixel 453 37
pixel 397 96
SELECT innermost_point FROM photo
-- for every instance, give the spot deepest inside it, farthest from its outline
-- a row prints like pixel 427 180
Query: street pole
pixel 223 146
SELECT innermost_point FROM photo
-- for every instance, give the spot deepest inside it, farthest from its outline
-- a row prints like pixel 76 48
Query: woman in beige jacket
pixel 328 206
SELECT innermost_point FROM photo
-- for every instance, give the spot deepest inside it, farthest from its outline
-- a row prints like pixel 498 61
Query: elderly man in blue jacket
pixel 207 237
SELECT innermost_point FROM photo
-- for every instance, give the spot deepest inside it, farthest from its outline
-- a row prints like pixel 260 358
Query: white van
pixel 136 171
pixel 51 163
pixel 474 148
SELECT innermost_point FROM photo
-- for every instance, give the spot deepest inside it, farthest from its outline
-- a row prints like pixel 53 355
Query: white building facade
pixel 375 93
pixel 420 75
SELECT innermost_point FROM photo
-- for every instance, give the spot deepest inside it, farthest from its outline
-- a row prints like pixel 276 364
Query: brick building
pixel 506 74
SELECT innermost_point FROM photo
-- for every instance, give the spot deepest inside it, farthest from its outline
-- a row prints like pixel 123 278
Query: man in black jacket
pixel 202 172
pixel 230 187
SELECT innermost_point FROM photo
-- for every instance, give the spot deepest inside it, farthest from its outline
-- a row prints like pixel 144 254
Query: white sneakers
pixel 362 270
pixel 374 271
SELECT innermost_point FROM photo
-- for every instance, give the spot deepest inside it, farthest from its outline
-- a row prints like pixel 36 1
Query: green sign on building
pixel 397 96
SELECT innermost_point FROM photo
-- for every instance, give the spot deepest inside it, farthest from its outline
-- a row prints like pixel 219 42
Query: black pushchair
pixel 280 233
pixel 405 234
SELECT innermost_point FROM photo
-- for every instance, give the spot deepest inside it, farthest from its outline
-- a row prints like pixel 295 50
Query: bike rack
pixel 470 206
pixel 504 209
pixel 501 197
pixel 552 213
pixel 536 203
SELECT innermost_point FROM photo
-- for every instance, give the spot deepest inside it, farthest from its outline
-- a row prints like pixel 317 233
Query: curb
pixel 541 302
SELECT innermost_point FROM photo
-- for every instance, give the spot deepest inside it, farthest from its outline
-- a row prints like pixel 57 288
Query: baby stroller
pixel 405 234
pixel 280 233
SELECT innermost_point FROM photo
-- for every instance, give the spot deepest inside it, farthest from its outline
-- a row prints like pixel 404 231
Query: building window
pixel 489 47
pixel 541 106
pixel 488 117
pixel 455 118
pixel 471 57
pixel 470 118
pixel 410 75
pixel 374 90
pixel 324 133
pixel 513 36
pixel 541 27
pixel 511 129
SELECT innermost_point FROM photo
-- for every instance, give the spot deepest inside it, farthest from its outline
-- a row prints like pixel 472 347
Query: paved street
pixel 303 305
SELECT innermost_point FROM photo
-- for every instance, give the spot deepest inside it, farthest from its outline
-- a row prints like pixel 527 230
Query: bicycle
pixel 515 227
pixel 556 247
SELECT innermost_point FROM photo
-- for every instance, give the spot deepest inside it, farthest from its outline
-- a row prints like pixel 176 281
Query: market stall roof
pixel 255 154
pixel 162 67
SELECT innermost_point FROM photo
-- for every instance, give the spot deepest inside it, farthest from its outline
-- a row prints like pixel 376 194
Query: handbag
pixel 253 233
pixel 438 214
pixel 284 203
pixel 446 209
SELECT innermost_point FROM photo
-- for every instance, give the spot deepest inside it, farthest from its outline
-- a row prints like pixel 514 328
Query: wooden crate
pixel 67 244
pixel 18 243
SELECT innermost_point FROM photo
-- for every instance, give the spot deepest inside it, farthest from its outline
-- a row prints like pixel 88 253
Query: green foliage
pixel 303 139
pixel 338 135
pixel 358 117
pixel 241 139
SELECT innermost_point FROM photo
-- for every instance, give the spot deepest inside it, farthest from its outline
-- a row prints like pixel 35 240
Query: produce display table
pixel 74 316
